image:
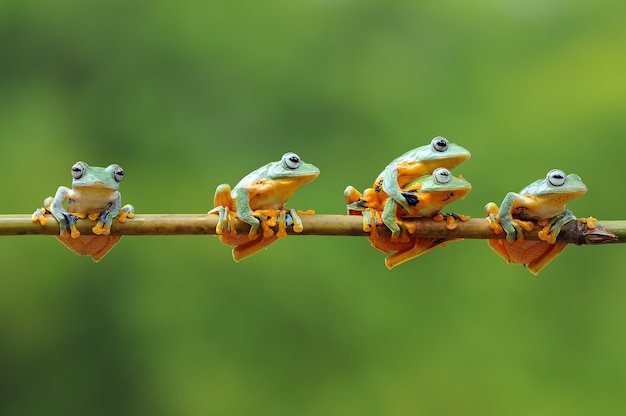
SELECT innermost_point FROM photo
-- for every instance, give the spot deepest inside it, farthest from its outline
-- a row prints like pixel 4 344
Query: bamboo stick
pixel 574 232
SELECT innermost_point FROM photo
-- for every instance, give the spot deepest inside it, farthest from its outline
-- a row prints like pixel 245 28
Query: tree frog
pixel 259 199
pixel 391 182
pixel 543 202
pixel 426 196
pixel 94 194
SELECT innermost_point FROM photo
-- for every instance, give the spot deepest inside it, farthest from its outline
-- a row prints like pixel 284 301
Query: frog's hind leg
pixel 533 254
pixel 223 206
pixel 351 195
pixel 370 216
pixel 492 211
pixel 225 222
pixel 548 255
pixel 420 246
pixel 96 246
pixel 357 205
pixel 247 249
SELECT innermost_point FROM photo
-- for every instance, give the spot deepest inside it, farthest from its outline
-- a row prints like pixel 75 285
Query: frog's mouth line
pixel 450 195
pixel 452 161
pixel 97 185
pixel 307 176
pixel 291 174
pixel 575 194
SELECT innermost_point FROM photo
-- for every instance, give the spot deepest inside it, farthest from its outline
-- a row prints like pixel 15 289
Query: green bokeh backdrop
pixel 186 96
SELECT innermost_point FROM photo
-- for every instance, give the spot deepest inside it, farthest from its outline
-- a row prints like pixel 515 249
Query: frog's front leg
pixel 283 217
pixel 389 217
pixel 451 219
pixel 392 188
pixel 267 218
pixel 105 218
pixel 67 220
pixel 552 228
pixel 513 227
pixel 244 212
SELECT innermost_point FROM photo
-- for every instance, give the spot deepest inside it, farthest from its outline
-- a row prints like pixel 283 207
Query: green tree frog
pixel 94 194
pixel 426 197
pixel 543 202
pixel 391 182
pixel 259 199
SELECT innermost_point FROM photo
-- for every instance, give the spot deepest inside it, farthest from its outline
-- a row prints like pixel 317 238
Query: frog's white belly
pixel 91 200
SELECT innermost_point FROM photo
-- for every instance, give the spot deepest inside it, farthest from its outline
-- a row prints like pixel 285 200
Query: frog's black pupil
pixel 294 159
pixel 441 145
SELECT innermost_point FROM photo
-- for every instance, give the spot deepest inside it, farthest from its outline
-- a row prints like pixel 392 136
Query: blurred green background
pixel 186 96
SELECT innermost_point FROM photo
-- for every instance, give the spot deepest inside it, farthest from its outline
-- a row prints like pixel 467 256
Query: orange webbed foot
pixel 127 211
pixel 452 218
pixel 590 222
pixel 39 215
pixel 492 211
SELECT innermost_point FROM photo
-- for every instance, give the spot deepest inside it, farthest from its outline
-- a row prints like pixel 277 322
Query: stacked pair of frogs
pixel 416 184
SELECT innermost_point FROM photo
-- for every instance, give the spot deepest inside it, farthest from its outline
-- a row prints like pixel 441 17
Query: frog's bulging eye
pixel 442 175
pixel 440 144
pixel 556 177
pixel 118 174
pixel 290 161
pixel 78 170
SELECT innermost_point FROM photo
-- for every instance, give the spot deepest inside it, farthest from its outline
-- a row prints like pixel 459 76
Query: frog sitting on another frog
pixel 259 199
pixel 426 196
pixel 94 194
pixel 393 180
pixel 543 202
